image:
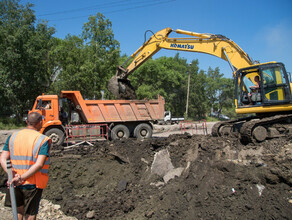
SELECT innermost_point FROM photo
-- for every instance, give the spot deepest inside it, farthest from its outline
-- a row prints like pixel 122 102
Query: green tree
pixel 197 99
pixel 165 76
pixel 24 46
pixel 67 59
pixel 213 87
pixel 102 52
pixel 86 62
pixel 226 96
pixel 219 91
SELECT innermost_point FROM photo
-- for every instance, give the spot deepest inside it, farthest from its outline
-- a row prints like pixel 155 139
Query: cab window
pixel 46 105
pixel 275 84
pixel 249 92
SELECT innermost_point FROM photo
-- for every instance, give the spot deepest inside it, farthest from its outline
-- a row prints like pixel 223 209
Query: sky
pixel 262 28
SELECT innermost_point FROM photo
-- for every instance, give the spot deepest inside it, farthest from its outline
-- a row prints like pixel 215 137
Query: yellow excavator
pixel 261 89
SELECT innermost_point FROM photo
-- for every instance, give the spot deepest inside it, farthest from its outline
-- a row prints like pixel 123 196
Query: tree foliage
pixel 86 62
pixel 198 101
pixel 219 91
pixel 24 47
pixel 164 76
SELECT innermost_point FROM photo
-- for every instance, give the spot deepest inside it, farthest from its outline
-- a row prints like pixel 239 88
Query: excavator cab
pixel 273 87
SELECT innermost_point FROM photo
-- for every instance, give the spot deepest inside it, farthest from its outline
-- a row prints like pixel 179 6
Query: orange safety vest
pixel 24 148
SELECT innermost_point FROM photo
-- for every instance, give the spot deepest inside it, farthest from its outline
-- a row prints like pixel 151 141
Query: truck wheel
pixel 57 136
pixel 143 131
pixel 119 132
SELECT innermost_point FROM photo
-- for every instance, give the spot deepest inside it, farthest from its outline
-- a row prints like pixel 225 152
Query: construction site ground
pixel 174 175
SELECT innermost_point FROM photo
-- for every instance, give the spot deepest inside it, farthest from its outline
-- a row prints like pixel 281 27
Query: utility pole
pixel 188 93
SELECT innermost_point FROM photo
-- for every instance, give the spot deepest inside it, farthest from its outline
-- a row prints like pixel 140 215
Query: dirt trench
pixel 217 178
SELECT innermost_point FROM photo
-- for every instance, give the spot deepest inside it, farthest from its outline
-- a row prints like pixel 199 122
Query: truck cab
pixel 169 119
pixel 48 107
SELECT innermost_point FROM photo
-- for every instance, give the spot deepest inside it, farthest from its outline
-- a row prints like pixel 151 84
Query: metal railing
pixel 193 127
pixel 88 133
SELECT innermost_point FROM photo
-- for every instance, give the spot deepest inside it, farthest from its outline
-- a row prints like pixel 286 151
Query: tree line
pixel 33 61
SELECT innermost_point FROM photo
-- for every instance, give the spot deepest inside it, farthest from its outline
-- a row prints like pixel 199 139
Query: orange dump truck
pixel 115 119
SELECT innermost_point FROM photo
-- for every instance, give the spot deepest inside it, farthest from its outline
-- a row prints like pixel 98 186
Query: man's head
pixel 257 78
pixel 34 119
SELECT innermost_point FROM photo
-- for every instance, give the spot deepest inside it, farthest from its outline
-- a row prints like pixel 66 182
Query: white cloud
pixel 274 43
pixel 278 39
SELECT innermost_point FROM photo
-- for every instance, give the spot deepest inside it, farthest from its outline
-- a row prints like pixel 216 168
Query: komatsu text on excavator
pixel 261 89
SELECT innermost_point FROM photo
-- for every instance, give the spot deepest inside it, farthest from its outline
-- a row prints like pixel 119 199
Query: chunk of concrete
pixel 161 163
pixel 173 173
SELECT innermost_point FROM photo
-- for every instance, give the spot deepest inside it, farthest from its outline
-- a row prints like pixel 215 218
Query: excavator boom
pixel 216 45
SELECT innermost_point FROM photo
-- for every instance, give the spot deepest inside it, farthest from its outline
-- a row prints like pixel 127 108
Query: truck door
pixel 48 110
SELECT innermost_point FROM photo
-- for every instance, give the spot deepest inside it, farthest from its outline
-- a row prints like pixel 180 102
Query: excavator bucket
pixel 113 86
pixel 121 88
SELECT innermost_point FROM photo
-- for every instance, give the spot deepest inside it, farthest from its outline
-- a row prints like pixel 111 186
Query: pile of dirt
pixel 178 177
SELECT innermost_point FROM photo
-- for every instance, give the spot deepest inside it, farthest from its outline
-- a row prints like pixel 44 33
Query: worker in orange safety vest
pixel 28 151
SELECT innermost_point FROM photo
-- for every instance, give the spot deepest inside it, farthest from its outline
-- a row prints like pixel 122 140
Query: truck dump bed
pixel 101 111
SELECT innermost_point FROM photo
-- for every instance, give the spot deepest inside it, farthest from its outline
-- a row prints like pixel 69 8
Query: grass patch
pixel 10 123
pixel 212 119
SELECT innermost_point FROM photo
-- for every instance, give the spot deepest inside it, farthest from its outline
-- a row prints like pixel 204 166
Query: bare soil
pixel 220 178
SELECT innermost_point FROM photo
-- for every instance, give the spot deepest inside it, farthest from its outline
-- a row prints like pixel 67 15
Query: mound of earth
pixel 178 177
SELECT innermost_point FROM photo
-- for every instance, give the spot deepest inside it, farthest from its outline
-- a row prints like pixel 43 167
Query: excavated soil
pixel 218 178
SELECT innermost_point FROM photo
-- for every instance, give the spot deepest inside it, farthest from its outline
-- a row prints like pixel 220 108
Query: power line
pixel 85 8
pixel 99 6
pixel 118 10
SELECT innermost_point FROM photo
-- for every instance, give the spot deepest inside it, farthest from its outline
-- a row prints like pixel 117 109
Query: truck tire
pixel 143 131
pixel 57 136
pixel 119 132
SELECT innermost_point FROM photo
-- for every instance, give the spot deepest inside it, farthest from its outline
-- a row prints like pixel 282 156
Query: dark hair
pixel 33 118
pixel 257 77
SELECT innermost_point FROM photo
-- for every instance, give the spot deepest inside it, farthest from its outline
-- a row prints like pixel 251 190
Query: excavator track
pixel 261 129
pixel 228 128
pixel 215 129
pixel 255 129
pixel 246 131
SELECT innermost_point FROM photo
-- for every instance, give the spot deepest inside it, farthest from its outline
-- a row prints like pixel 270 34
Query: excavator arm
pixel 216 45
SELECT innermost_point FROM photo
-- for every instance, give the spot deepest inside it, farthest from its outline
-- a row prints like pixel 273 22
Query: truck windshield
pixel 43 104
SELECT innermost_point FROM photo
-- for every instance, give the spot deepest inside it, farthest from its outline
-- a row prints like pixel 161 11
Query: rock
pixel 149 214
pixel 57 207
pixel 46 208
pixel 90 214
pixel 58 198
pixel 192 154
pixel 119 157
pixel 122 185
pixel 189 196
pixel 260 188
pixel 248 207
pixel 161 163
pixel 158 184
pixel 173 173
pixel 145 161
